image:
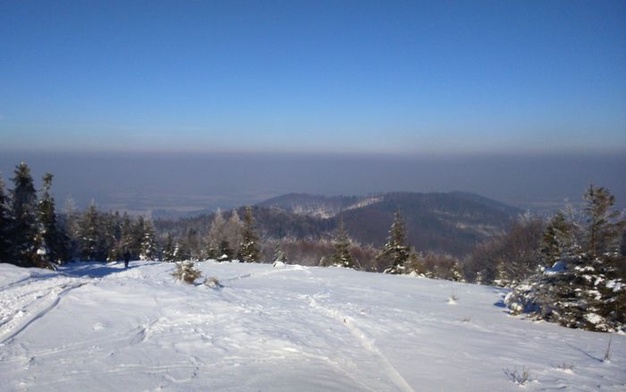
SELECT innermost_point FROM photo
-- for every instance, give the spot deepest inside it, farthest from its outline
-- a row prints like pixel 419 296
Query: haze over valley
pixel 177 183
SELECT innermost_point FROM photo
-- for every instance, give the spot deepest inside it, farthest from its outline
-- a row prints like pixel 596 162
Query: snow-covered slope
pixel 99 327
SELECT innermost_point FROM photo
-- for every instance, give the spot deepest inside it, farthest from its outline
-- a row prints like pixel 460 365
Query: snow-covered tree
pixel 225 252
pixel 49 230
pixel 91 232
pixel 231 234
pixel 558 239
pixel 6 222
pixel 603 227
pixel 586 287
pixel 341 256
pixel 148 246
pixel 279 255
pixel 169 251
pixel 396 252
pixel 216 235
pixel 28 243
pixel 186 271
pixel 249 247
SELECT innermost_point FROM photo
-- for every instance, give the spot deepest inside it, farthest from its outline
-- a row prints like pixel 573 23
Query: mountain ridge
pixel 452 222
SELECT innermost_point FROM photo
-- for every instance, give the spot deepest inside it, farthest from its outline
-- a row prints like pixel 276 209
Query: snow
pixel 100 327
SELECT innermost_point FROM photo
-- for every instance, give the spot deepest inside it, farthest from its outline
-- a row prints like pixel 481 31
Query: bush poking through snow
pixel 520 378
pixel 565 366
pixel 186 271
pixel 608 353
pixel 213 283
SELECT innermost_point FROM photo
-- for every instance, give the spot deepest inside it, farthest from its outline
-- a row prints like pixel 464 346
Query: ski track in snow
pixel 101 327
pixel 27 301
pixel 392 373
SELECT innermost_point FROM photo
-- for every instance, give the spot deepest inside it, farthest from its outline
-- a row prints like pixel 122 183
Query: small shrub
pixel 567 367
pixel 519 378
pixel 213 282
pixel 186 271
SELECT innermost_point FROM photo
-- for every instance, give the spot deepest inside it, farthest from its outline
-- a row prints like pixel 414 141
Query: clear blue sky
pixel 426 77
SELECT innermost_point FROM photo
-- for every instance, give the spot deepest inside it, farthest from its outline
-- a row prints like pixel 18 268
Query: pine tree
pixel 28 243
pixel 558 239
pixel 169 251
pixel 231 233
pixel 148 246
pixel 6 222
pixel 50 232
pixel 586 288
pixel 342 257
pixel 602 229
pixel 279 255
pixel 225 252
pixel 395 251
pixel 91 233
pixel 215 235
pixel 249 247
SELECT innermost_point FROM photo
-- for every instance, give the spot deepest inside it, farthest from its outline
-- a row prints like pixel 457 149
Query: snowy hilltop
pixel 254 327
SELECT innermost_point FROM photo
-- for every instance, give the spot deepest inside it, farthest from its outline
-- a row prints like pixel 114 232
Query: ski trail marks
pixel 23 304
pixel 368 344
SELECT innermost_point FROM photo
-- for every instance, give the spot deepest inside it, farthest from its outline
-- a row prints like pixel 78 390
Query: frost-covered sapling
pixel 213 282
pixel 186 271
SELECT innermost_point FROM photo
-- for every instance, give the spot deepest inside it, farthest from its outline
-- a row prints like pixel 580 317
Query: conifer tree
pixel 342 257
pixel 225 252
pixel 216 235
pixel 93 244
pixel 169 251
pixel 231 233
pixel 587 287
pixel 558 239
pixel 6 251
pixel 50 232
pixel 28 243
pixel 279 255
pixel 148 246
pixel 602 228
pixel 396 252
pixel 249 248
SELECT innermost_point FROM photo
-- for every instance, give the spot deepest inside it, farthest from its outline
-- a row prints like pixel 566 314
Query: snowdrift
pixel 100 327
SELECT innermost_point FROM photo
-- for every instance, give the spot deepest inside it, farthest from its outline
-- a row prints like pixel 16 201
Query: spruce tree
pixel 6 222
pixel 279 255
pixel 169 251
pixel 249 248
pixel 216 234
pixel 225 252
pixel 231 233
pixel 92 244
pixel 50 232
pixel 586 288
pixel 342 257
pixel 396 252
pixel 558 240
pixel 148 246
pixel 602 225
pixel 25 235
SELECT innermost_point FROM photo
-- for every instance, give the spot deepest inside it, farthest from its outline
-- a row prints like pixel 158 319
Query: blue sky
pixel 401 77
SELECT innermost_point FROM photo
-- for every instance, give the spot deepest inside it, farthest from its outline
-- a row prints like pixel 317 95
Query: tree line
pixel 574 260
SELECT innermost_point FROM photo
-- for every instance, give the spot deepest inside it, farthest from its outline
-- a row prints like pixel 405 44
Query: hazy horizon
pixel 193 182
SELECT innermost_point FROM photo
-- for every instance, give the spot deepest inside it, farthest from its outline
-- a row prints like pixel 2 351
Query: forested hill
pixel 445 222
pixel 450 223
